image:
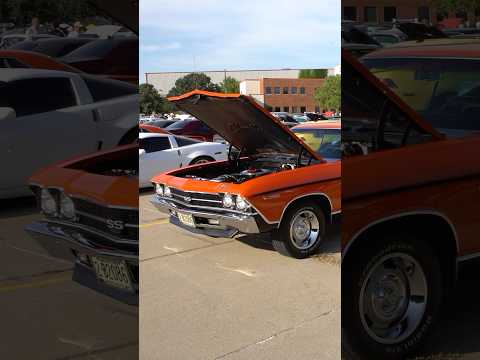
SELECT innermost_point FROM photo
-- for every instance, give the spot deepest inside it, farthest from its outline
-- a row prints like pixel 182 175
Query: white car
pixel 49 116
pixel 162 152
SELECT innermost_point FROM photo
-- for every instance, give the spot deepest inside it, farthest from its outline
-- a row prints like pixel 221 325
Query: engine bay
pixel 240 171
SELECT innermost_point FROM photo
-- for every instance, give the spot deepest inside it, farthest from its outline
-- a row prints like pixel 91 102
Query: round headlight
pixel 48 203
pixel 159 189
pixel 228 201
pixel 67 207
pixel 167 191
pixel 242 204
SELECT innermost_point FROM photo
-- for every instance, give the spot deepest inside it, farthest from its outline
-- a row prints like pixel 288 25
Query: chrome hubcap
pixel 393 298
pixel 304 229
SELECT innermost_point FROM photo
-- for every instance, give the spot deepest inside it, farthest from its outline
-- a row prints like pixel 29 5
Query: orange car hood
pixel 74 179
pixel 241 121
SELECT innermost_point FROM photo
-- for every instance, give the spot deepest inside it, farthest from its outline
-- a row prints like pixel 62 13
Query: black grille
pixel 197 198
pixel 109 220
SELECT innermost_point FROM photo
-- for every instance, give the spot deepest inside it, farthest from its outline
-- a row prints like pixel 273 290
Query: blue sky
pixel 193 35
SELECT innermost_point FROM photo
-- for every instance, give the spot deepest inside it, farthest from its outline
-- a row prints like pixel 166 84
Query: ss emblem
pixel 115 224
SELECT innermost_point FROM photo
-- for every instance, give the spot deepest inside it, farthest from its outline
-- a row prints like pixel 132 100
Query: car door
pixel 49 126
pixel 158 156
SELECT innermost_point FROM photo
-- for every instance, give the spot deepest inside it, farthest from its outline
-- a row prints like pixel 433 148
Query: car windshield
pixel 326 142
pixel 445 92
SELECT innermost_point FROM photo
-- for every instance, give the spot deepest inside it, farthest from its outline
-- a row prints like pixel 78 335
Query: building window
pixel 285 90
pixel 350 13
pixel 302 90
pixel 276 90
pixel 303 109
pixel 294 90
pixel 317 108
pixel 286 108
pixel 269 108
pixel 277 108
pixel 370 14
pixel 268 90
pixel 294 109
pixel 424 13
pixel 389 13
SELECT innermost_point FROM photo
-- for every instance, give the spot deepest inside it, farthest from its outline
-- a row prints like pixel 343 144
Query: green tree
pixel 193 81
pixel 328 96
pixel 152 102
pixel 230 85
pixel 313 74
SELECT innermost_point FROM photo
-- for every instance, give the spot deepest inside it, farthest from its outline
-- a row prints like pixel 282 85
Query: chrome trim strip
pixel 104 220
pixel 400 215
pixel 302 196
pixel 468 257
pixel 92 230
pixel 197 199
pixel 164 198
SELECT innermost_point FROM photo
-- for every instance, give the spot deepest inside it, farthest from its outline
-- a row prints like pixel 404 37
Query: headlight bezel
pixel 63 202
pixel 46 197
pixel 159 189
pixel 231 201
pixel 241 200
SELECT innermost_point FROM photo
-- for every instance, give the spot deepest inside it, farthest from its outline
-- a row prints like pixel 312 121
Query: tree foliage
pixel 193 81
pixel 230 85
pixel 152 102
pixel 313 74
pixel 21 11
pixel 328 96
pixel 456 5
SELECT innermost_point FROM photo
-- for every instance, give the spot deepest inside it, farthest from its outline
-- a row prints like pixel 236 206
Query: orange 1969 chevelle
pixel 411 193
pixel 90 208
pixel 273 182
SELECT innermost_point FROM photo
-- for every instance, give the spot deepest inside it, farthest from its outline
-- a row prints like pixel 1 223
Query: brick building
pixel 288 94
pixel 291 95
pixel 379 11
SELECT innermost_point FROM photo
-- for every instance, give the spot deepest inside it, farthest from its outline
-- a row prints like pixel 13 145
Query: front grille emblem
pixel 187 199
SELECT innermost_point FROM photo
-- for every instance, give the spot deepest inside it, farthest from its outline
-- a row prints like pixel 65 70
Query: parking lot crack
pixel 275 335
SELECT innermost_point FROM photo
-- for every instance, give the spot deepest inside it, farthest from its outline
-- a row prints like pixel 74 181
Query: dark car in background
pixel 192 128
pixel 116 58
pixel 55 48
pixel 161 123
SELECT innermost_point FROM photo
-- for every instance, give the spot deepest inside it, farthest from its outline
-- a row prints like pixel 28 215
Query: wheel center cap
pixel 389 297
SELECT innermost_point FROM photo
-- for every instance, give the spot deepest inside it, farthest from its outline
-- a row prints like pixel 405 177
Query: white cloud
pixel 243 34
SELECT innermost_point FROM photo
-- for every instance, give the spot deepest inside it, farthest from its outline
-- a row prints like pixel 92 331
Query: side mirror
pixel 141 152
pixel 7 113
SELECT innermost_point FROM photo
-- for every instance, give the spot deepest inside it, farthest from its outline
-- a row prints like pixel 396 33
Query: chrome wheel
pixel 393 298
pixel 304 229
pixel 202 161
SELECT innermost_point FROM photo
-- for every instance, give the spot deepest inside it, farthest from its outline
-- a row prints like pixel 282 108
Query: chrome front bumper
pixel 226 224
pixel 67 242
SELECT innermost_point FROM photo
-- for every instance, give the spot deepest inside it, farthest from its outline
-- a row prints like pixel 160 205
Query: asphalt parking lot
pixel 43 308
pixel 206 298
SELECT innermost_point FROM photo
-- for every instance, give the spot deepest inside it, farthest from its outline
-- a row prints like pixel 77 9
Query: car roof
pixel 8 75
pixel 434 48
pixel 149 135
pixel 325 124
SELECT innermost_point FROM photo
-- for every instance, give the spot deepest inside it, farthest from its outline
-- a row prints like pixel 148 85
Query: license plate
pixel 114 273
pixel 186 219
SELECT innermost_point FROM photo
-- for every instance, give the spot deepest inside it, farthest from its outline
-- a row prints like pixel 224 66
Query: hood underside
pixel 242 122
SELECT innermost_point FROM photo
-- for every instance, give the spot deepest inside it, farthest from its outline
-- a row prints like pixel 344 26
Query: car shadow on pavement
pixel 458 332
pixel 10 208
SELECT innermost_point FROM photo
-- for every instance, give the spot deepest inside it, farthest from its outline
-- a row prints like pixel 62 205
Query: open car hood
pixel 123 11
pixel 241 121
